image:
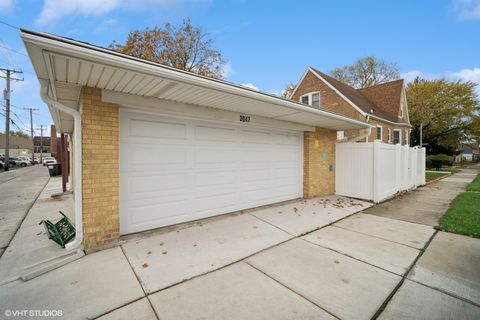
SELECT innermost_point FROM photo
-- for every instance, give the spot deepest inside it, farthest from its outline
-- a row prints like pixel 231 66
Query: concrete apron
pixel 30 252
pixel 209 245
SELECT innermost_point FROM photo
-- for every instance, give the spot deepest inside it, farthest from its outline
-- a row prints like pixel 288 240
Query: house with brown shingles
pixel 384 106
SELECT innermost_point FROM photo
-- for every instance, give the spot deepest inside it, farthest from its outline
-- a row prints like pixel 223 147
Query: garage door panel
pixel 256 137
pixel 256 174
pixel 214 178
pixel 157 129
pixel 152 155
pixel 151 213
pixel 208 204
pixel 264 195
pixel 201 168
pixel 210 156
pixel 205 133
pixel 158 182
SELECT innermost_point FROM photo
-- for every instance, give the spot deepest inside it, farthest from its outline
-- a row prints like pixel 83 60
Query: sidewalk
pixel 18 191
pixel 427 204
pixel 30 244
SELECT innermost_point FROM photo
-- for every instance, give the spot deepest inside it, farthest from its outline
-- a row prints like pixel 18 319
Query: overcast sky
pixel 267 43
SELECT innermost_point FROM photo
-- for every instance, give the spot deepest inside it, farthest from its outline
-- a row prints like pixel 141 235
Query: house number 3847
pixel 244 118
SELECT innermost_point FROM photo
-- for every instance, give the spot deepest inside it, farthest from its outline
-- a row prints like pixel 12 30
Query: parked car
pixel 12 161
pixel 2 164
pixel 20 161
pixel 49 160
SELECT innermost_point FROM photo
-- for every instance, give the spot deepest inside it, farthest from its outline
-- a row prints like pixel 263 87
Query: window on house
pixel 397 136
pixel 311 99
pixel 316 100
pixel 340 135
pixel 379 133
pixel 304 99
pixel 389 135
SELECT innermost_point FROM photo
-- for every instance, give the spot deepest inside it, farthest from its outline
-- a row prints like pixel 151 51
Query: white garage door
pixel 174 170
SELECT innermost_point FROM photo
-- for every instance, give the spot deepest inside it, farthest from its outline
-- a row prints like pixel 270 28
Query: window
pixel 389 135
pixel 397 136
pixel 379 133
pixel 312 99
pixel 316 100
pixel 304 99
pixel 340 135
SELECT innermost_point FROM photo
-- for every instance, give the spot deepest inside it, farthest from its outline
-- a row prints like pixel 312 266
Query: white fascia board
pixel 339 93
pixel 390 122
pixel 58 45
pixel 299 82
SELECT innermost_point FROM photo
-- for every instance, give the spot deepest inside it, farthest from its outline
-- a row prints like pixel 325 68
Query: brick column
pixel 319 163
pixel 100 142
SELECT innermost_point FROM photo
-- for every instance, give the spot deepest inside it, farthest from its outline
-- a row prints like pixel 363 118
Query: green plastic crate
pixel 61 232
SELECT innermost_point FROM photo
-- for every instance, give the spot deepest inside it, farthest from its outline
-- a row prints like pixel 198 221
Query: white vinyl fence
pixel 376 171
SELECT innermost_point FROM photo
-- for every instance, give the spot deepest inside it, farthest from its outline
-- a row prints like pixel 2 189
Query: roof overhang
pixel 69 65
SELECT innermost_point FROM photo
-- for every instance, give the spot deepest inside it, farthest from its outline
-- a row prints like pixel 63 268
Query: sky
pixel 267 43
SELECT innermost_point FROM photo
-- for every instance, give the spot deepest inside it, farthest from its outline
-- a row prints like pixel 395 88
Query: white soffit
pixel 68 65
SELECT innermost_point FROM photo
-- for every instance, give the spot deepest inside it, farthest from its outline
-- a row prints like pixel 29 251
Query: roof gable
pixel 387 96
pixel 356 97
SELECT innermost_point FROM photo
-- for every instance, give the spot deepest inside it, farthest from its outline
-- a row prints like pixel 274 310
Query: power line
pixel 9 25
pixel 15 51
pixel 8 77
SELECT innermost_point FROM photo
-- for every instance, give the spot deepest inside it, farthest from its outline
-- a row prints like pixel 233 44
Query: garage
pixel 154 146
pixel 177 169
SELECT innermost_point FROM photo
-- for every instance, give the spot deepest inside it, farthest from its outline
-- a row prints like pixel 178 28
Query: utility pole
pixel 41 144
pixel 31 132
pixel 8 77
pixel 421 135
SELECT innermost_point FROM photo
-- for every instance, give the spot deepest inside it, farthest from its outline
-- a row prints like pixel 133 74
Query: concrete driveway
pixel 313 259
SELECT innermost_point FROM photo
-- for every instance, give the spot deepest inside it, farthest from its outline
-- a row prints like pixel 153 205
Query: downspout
pixel 77 144
pixel 362 136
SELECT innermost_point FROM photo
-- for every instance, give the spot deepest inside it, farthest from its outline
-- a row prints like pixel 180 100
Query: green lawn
pixel 463 216
pixel 429 176
pixel 475 185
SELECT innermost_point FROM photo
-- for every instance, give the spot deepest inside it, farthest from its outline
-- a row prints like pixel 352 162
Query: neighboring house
pixel 384 106
pixel 19 146
pixel 469 152
pixel 154 146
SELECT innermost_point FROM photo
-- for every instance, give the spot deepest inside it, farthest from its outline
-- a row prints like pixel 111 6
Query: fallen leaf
pixel 145 265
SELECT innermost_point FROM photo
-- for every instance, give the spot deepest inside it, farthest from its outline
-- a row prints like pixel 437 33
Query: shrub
pixel 428 162
pixel 438 160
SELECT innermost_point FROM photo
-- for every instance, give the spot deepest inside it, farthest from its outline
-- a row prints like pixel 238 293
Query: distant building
pixel 469 151
pixel 49 146
pixel 19 146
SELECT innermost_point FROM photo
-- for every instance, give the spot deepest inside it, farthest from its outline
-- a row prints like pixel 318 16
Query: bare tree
pixel 184 47
pixel 287 92
pixel 366 72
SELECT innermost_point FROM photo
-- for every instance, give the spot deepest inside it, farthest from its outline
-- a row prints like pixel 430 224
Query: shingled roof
pixel 382 99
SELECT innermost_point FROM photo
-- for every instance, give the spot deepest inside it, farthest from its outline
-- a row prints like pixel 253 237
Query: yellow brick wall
pixel 100 143
pixel 318 180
